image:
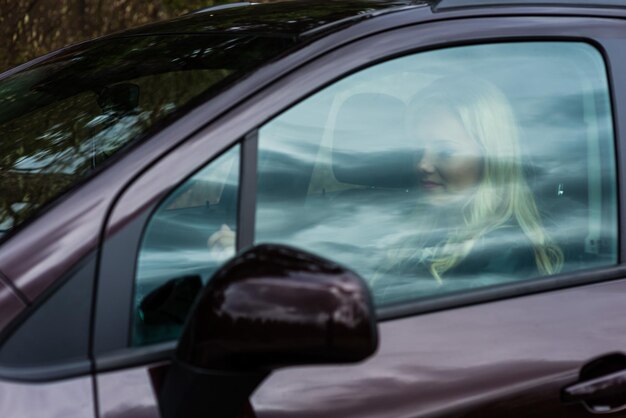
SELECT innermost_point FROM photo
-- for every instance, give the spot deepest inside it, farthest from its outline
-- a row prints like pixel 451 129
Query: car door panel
pixel 125 394
pixel 507 358
pixel 71 398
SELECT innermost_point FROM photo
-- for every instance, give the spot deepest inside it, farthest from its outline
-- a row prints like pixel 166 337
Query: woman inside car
pixel 480 215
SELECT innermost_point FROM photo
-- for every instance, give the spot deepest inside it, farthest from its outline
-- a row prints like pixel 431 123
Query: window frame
pixel 131 213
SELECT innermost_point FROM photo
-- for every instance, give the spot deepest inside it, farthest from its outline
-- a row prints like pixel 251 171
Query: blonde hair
pixel 502 194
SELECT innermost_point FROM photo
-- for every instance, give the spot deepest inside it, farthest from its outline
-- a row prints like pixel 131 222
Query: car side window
pixel 449 170
pixel 187 238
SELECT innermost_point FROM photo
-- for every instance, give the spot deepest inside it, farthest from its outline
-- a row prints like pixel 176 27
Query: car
pixel 360 208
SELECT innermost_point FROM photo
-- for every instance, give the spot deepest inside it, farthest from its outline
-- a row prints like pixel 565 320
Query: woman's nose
pixel 425 163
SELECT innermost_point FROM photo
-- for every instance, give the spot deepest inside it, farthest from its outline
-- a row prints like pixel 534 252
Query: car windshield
pixel 62 118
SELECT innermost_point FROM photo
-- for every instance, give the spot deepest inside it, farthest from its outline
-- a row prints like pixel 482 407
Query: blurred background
pixel 30 28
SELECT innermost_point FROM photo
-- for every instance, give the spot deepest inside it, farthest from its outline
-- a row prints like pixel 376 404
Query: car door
pixel 501 328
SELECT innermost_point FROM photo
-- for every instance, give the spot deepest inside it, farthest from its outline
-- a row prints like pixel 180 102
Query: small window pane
pixel 189 236
pixel 449 170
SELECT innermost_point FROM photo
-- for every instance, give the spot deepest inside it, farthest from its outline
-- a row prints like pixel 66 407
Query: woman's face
pixel 451 163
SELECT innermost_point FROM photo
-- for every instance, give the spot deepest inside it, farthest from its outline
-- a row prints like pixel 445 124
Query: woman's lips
pixel 430 185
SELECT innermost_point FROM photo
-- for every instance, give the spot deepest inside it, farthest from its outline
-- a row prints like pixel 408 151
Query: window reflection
pixel 189 236
pixel 427 179
pixel 472 188
pixel 66 116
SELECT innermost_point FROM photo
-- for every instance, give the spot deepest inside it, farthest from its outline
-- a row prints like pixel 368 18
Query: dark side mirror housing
pixel 271 306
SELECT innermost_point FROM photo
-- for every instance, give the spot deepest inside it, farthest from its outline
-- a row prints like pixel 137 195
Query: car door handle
pixel 599 394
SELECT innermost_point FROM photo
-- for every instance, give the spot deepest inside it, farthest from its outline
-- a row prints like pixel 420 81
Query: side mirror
pixel 271 306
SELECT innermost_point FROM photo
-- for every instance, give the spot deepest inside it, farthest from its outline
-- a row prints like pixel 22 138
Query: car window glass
pixel 190 234
pixel 449 170
pixel 64 117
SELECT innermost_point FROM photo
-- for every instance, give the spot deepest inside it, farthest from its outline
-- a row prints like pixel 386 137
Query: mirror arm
pixel 197 393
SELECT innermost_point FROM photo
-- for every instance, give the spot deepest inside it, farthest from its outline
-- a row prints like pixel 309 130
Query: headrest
pixel 370 146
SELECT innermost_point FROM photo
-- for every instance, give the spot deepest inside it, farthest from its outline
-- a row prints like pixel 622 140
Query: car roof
pixel 303 19
pixel 281 18
pixel 458 4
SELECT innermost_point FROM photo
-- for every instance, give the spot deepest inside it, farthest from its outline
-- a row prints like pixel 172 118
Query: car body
pixel 68 272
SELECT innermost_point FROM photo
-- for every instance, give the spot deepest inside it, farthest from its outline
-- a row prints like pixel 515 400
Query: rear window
pixel 62 119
